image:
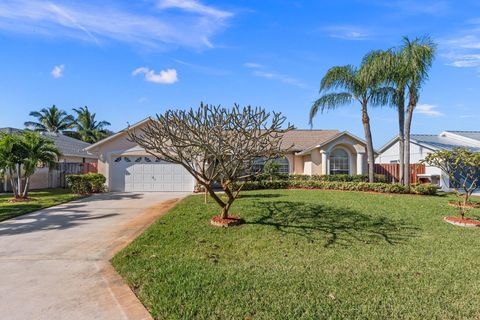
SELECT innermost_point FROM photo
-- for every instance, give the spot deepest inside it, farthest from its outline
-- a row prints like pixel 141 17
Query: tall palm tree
pixel 391 64
pixel 89 129
pixel 416 58
pixel 50 120
pixel 362 85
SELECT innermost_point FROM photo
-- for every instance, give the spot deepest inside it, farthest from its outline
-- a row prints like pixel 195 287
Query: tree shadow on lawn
pixel 332 225
pixel 260 195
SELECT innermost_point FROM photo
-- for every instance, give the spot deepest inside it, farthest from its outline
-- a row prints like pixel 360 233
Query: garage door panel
pixel 137 174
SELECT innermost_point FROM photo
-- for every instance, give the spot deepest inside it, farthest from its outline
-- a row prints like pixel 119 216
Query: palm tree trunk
pixel 12 182
pixel 401 137
pixel 25 189
pixel 408 126
pixel 369 140
pixel 19 179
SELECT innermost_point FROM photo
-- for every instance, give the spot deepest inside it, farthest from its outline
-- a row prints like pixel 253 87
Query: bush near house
pixel 86 183
pixel 294 183
pixel 381 178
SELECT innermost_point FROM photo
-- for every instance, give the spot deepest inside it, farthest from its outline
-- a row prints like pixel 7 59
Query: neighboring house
pixel 128 167
pixel 73 152
pixel 423 144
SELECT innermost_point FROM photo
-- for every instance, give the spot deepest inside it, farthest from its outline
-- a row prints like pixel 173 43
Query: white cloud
pixel 347 32
pixel 465 61
pixel 428 110
pixel 260 70
pixel 195 7
pixel 253 65
pixel 192 26
pixel 168 76
pixel 57 71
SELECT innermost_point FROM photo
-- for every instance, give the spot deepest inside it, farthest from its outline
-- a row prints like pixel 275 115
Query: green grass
pixel 308 255
pixel 42 199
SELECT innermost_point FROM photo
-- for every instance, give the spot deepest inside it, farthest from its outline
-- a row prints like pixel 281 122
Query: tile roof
pixel 66 145
pixel 304 139
pixel 442 143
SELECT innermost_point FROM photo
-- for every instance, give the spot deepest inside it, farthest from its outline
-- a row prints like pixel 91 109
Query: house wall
pixel 107 151
pixel 417 153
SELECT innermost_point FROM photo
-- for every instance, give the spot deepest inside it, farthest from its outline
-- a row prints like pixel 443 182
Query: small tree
pixel 462 167
pixel 215 144
pixel 20 154
pixel 271 169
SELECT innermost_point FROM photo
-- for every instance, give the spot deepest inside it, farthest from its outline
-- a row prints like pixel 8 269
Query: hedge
pixel 336 185
pixel 380 178
pixel 86 183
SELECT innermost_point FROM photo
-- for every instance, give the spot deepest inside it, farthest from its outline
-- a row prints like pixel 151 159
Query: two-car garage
pixel 142 173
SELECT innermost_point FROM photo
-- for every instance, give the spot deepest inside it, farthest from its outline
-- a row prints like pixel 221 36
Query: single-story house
pixel 73 152
pixel 423 144
pixel 128 167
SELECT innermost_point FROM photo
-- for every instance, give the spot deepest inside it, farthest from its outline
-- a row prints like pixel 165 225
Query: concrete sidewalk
pixel 54 263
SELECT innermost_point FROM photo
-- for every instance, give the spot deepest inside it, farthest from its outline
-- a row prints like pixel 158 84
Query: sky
pixel 127 60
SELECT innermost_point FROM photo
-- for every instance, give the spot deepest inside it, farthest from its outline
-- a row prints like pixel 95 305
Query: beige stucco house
pixel 128 167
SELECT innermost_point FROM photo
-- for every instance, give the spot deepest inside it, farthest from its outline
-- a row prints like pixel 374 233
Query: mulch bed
pixel 468 205
pixel 228 222
pixel 15 200
pixel 465 222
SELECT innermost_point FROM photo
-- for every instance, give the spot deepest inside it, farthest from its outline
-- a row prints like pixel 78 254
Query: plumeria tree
pixel 462 170
pixel 215 144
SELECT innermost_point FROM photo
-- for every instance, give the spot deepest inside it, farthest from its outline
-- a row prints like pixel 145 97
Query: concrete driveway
pixel 54 263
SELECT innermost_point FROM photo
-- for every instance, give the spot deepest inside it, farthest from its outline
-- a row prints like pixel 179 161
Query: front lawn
pixel 308 255
pixel 41 199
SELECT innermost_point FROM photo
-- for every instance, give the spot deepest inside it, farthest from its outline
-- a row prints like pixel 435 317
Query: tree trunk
pixel 408 126
pixel 369 140
pixel 12 182
pixel 25 189
pixel 19 179
pixel 231 198
pixel 401 137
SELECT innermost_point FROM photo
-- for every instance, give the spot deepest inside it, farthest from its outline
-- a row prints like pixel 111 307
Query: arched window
pixel 339 162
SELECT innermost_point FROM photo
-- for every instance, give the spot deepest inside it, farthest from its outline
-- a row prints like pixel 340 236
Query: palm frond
pixel 330 101
pixel 339 77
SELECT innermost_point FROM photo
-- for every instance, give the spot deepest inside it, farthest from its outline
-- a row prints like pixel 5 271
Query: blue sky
pixel 130 59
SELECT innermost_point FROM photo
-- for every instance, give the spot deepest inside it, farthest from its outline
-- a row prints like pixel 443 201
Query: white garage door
pixel 140 173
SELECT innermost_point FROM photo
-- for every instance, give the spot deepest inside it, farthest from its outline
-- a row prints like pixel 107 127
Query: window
pixel 118 159
pixel 147 159
pixel 339 162
pixel 138 159
pixel 283 165
pixel 127 159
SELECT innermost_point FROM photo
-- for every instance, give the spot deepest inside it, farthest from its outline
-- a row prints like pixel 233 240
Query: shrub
pixel 425 189
pixel 301 183
pixel 86 183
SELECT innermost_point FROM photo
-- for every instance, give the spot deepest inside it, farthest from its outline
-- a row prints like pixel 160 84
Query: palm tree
pixel 89 129
pixel 37 150
pixel 362 85
pixel 416 59
pixel 50 120
pixel 393 67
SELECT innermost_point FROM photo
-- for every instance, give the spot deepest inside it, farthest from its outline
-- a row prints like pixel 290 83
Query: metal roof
pixel 475 135
pixel 442 143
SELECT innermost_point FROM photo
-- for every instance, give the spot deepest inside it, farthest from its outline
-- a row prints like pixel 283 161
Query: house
pixel 73 156
pixel 128 167
pixel 423 144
